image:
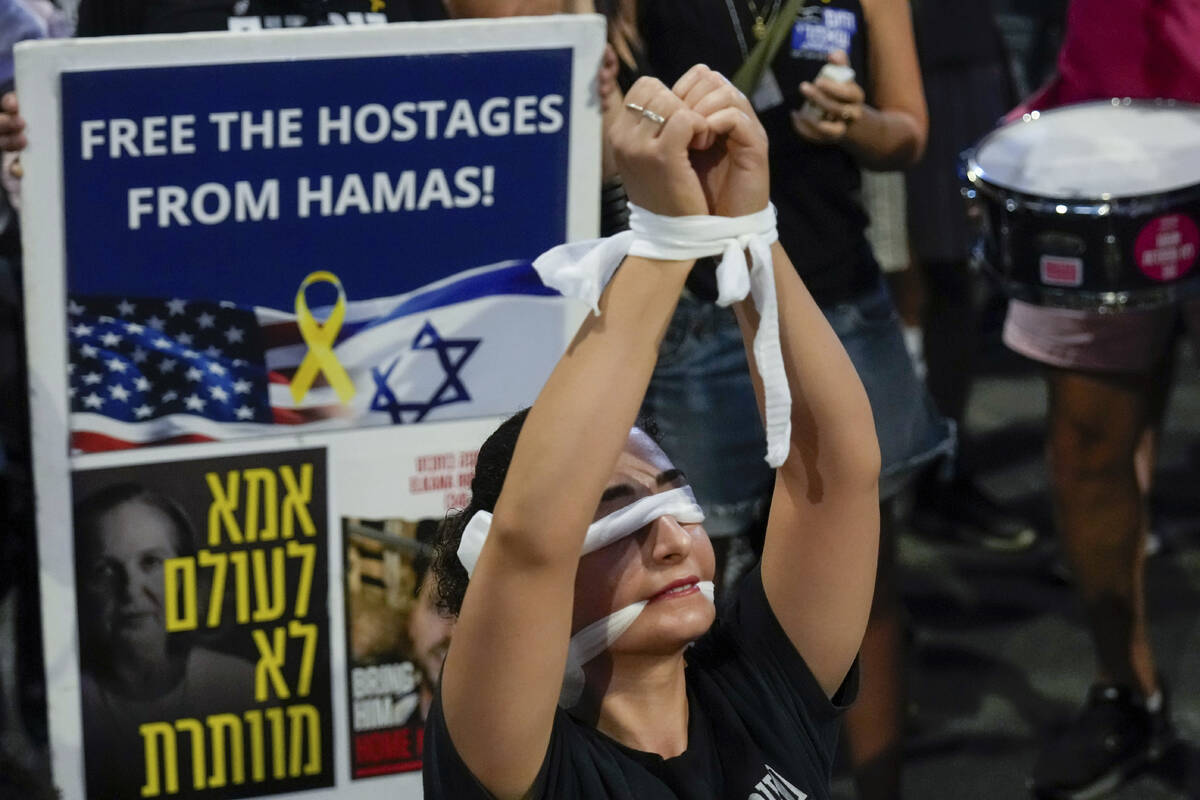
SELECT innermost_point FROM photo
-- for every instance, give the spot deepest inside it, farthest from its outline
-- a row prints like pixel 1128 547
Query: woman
pixel 134 670
pixel 752 706
pixel 878 121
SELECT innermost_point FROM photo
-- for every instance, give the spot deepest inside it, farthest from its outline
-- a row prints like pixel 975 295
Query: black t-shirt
pixel 816 188
pixel 758 723
pixel 122 17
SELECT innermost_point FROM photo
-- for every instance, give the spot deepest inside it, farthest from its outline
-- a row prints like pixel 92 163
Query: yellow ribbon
pixel 320 339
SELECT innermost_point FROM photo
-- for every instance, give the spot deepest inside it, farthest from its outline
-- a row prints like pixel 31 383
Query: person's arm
pixel 822 540
pixel 515 621
pixel 891 132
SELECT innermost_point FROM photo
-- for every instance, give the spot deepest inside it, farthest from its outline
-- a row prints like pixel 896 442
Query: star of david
pixel 452 354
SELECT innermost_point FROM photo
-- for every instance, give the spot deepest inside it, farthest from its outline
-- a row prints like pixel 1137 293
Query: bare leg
pixel 1096 422
pixel 875 723
pixel 1146 454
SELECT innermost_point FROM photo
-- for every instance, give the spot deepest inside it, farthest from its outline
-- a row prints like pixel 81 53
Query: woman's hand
pixel 731 157
pixel 12 133
pixel 12 130
pixel 841 105
pixel 652 156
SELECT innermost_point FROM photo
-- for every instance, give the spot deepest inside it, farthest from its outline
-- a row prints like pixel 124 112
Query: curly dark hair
pixel 491 468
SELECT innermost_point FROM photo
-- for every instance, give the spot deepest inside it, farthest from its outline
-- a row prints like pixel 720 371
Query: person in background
pixel 1104 373
pixel 24 768
pixel 968 88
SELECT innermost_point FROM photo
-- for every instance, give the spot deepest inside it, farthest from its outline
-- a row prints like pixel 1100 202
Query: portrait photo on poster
pixel 203 626
pixel 396 638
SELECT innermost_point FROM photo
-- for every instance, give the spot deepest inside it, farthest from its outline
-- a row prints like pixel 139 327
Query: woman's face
pixel 122 579
pixel 661 563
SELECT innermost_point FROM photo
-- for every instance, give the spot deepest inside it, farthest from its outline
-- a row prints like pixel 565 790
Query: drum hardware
pixel 1061 244
pixel 1094 206
pixel 1111 258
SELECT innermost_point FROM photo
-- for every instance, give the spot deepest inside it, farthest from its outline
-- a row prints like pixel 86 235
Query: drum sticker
pixel 821 31
pixel 1059 271
pixel 1167 247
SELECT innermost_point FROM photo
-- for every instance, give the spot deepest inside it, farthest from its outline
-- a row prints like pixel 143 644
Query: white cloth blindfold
pixel 597 637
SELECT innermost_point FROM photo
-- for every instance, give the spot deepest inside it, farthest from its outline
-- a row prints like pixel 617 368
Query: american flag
pixel 150 371
pixel 185 369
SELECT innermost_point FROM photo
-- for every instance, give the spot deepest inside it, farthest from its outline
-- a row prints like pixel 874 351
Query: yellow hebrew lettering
pixel 278 744
pixel 222 725
pixel 151 733
pixel 304 720
pixel 270 591
pixel 216 596
pixel 308 632
pixel 295 503
pixel 270 664
pixel 173 570
pixel 308 554
pixel 241 584
pixel 196 729
pixel 261 492
pixel 225 502
pixel 255 720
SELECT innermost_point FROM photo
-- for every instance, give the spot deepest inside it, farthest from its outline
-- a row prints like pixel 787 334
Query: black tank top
pixel 816 188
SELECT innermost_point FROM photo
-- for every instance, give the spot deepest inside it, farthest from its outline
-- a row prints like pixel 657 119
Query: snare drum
pixel 1094 206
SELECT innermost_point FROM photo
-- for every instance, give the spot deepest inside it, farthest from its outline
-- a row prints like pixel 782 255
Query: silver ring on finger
pixel 654 117
pixel 657 119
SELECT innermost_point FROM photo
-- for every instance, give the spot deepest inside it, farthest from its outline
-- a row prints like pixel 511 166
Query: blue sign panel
pixel 277 243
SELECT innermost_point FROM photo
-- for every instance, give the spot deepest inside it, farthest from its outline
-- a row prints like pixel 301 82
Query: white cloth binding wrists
pixel 583 269
pixel 597 637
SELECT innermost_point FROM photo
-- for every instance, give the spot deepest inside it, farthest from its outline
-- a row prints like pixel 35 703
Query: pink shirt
pixel 1125 48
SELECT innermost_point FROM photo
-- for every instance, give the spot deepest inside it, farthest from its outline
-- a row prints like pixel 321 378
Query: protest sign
pixel 273 275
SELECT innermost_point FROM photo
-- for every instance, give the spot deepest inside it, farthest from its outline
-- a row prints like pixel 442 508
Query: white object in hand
pixel 838 73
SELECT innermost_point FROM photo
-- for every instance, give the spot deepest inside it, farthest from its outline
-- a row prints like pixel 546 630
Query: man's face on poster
pixel 429 631
pixel 122 579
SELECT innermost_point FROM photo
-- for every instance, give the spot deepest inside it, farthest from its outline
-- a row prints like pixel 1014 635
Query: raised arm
pixel 823 530
pixel 822 539
pixel 516 615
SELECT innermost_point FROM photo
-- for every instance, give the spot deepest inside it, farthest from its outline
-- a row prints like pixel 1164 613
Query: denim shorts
pixel 702 402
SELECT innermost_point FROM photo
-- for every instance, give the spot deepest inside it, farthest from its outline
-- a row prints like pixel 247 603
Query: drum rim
pixel 1111 302
pixel 1103 205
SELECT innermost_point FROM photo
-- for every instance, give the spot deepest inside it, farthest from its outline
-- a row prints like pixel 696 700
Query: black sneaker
pixel 1113 738
pixel 962 510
